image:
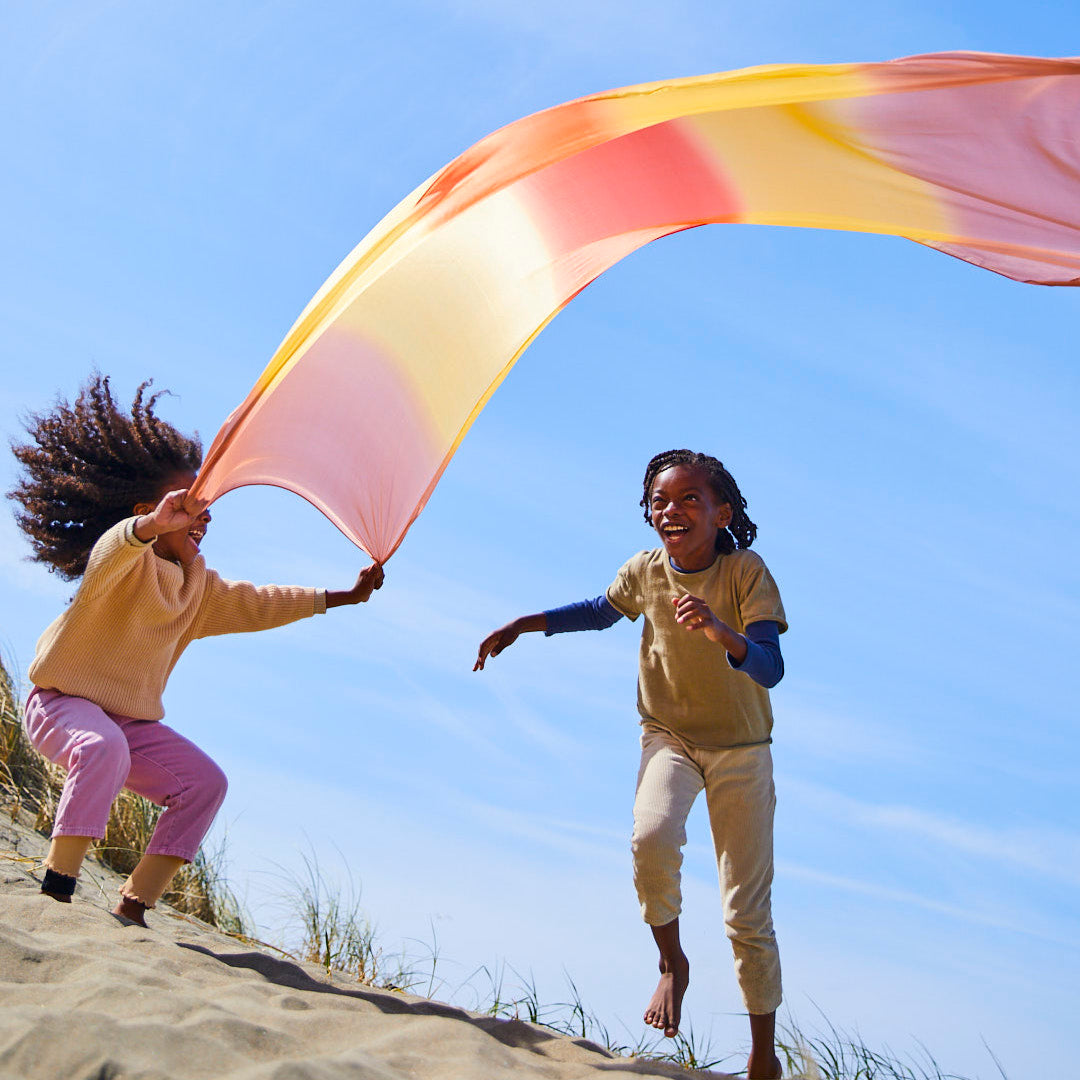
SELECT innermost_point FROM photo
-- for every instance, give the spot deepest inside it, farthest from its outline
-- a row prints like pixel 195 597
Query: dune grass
pixel 829 1053
pixel 30 789
pixel 327 925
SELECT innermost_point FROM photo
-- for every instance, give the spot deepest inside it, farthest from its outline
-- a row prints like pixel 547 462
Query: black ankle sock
pixel 59 886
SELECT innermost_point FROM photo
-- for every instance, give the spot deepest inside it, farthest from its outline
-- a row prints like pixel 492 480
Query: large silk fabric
pixel 374 387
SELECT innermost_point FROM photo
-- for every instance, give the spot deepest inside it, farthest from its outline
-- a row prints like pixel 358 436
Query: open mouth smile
pixel 672 531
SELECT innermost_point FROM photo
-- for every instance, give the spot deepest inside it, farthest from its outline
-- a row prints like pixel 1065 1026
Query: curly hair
pixel 87 466
pixel 742 531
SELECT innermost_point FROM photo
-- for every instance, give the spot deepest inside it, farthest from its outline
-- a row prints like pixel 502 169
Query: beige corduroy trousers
pixel 738 785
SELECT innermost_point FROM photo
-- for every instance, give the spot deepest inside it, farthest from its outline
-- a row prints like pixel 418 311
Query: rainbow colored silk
pixel 374 387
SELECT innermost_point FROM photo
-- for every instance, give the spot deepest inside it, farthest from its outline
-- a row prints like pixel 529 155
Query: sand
pixel 83 997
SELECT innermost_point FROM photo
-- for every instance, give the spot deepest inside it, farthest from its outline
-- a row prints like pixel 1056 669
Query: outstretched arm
pixel 370 579
pixel 596 614
pixel 506 635
pixel 234 607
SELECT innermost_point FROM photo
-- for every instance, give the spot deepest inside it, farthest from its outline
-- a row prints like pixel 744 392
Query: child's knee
pixel 659 892
pixel 656 852
pixel 103 754
pixel 657 856
pixel 656 842
pixel 751 928
pixel 213 785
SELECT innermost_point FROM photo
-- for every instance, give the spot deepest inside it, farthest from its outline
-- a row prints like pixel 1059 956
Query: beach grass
pixel 326 925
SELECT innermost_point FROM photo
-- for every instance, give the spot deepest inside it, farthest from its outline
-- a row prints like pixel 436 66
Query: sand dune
pixel 83 997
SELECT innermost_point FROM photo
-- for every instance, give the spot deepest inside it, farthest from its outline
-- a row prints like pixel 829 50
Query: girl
pixel 105 499
pixel 709 651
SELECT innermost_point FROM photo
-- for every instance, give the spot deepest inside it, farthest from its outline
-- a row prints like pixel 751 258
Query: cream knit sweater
pixel 134 614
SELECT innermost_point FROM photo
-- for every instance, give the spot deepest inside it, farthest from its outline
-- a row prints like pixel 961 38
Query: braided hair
pixel 87 465
pixel 742 531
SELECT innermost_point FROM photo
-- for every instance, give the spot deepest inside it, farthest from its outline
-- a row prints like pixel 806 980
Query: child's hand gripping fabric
pixel 176 511
pixel 370 579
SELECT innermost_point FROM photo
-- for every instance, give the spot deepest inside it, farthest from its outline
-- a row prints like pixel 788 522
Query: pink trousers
pixel 103 753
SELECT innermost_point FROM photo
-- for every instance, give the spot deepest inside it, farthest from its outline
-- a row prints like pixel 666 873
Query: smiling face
pixel 181 546
pixel 686 513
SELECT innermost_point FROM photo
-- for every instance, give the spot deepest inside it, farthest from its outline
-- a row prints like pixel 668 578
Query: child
pixel 709 651
pixel 105 498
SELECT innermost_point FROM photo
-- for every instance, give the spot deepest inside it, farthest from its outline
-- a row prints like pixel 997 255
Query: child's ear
pixel 143 508
pixel 723 516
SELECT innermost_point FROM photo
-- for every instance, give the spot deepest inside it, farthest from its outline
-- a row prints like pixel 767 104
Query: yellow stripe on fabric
pixel 805 165
pixel 633 107
pixel 451 310
pixel 477 409
pixel 344 283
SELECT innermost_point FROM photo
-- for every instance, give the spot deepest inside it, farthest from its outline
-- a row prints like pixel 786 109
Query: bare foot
pixel 665 1009
pixel 773 1072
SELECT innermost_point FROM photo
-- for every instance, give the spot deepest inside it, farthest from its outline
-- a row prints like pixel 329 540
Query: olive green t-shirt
pixel 685 683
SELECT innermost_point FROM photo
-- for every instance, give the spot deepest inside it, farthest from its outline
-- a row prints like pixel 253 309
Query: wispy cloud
pixel 412 701
pixel 568 837
pixel 587 28
pixel 1045 850
pixel 886 893
pixel 832 732
pixel 531 725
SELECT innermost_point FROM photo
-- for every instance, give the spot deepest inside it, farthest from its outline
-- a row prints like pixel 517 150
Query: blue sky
pixel 180 179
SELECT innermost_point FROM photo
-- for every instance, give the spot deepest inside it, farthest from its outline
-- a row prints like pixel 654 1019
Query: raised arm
pixel 177 510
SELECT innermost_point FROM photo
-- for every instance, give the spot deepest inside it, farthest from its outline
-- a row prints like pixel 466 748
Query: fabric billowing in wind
pixel 374 387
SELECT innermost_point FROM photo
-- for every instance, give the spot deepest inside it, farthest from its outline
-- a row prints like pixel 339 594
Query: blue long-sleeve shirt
pixel 763 662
